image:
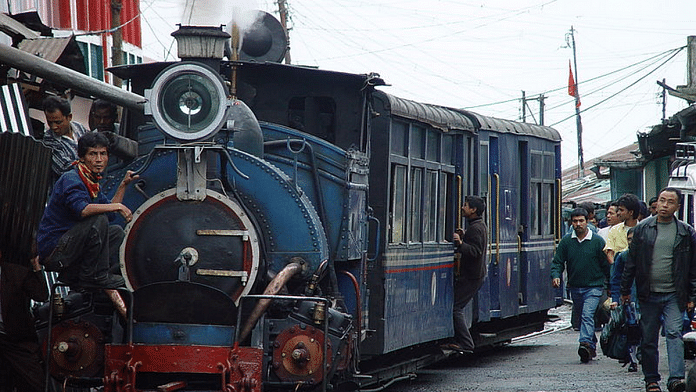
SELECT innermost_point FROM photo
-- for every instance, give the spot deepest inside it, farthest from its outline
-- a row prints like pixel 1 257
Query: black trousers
pixel 88 250
pixel 464 292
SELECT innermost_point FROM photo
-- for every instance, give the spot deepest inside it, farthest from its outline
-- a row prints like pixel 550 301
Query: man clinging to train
pixel 588 270
pixel 469 272
pixel 74 235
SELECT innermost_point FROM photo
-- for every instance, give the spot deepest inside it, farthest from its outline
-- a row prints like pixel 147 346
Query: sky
pixel 481 55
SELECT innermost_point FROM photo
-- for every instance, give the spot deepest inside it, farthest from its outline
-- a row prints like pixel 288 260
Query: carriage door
pixel 523 219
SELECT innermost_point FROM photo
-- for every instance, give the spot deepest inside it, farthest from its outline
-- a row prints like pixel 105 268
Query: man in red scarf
pixel 74 236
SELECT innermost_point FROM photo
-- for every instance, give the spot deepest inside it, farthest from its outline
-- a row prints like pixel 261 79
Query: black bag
pixel 622 325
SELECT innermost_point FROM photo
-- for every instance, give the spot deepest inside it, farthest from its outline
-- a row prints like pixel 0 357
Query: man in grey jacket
pixel 661 259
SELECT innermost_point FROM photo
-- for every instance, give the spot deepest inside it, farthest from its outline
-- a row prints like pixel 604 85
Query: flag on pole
pixel 572 87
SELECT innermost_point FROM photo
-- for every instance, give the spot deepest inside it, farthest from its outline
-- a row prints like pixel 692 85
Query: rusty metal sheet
pixel 25 166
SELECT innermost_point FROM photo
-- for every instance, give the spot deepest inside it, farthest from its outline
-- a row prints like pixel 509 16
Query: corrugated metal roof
pixel 47 48
pixel 439 117
pixel 447 119
pixel 500 125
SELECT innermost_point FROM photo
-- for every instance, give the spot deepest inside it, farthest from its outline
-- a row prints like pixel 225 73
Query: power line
pixel 659 56
pixel 620 91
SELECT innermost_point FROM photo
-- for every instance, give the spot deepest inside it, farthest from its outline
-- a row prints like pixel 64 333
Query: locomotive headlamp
pixel 188 102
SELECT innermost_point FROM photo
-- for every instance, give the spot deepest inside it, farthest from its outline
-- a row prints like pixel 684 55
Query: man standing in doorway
pixel 470 272
pixel 661 260
pixel 581 253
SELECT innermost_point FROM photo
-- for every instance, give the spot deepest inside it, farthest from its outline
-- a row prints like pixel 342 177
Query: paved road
pixel 541 363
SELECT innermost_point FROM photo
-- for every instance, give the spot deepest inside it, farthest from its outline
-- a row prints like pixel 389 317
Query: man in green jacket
pixel 588 270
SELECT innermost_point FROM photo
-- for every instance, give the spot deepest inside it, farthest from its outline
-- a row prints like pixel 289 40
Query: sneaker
pixel 584 353
pixel 456 347
pixel 633 367
pixel 676 386
pixel 108 282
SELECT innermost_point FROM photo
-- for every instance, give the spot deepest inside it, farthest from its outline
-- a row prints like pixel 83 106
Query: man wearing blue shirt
pixel 74 235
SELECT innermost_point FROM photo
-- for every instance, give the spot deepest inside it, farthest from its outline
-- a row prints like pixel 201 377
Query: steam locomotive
pixel 292 228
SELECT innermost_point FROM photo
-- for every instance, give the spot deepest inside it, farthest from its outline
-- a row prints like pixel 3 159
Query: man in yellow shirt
pixel 627 211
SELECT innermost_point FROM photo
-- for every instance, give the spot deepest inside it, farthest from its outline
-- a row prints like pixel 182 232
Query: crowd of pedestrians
pixel 645 260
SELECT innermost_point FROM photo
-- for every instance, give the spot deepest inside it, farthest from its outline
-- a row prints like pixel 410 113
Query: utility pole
pixel 524 107
pixel 664 100
pixel 688 92
pixel 578 121
pixel 539 98
pixel 117 36
pixel 283 11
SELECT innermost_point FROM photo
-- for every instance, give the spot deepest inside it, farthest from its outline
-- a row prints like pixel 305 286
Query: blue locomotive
pixel 292 229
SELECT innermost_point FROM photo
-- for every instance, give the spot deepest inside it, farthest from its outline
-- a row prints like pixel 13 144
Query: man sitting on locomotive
pixel 74 234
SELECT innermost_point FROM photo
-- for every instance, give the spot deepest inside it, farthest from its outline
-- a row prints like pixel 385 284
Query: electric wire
pixel 620 91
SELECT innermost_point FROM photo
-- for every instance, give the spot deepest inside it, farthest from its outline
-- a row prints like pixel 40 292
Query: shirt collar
pixel 588 236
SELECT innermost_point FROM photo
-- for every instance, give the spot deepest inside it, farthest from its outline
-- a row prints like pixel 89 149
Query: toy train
pixel 292 229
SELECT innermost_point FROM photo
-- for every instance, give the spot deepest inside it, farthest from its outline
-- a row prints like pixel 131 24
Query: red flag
pixel 572 87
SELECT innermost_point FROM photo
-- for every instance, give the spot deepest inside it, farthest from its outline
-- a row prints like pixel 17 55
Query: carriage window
pixel 433 146
pixel 418 142
pixel 415 212
pixel 430 204
pixel 442 203
pixel 542 193
pixel 447 149
pixel 548 166
pixel 399 139
pixel 536 165
pixel 547 202
pixel 483 164
pixel 398 204
pixel 535 210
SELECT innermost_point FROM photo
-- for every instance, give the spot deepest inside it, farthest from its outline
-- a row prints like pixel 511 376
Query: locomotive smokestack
pixel 201 43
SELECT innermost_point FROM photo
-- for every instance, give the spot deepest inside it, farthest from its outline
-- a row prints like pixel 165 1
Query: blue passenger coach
pixel 425 160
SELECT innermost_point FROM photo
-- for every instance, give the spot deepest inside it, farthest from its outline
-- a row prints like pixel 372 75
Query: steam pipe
pixel 272 289
pixel 27 62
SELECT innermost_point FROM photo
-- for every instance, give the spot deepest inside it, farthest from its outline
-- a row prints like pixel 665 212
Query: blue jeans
pixel 667 306
pixel 589 298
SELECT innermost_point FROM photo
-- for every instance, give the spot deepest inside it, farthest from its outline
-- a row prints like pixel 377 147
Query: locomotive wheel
pixel 77 350
pixel 297 354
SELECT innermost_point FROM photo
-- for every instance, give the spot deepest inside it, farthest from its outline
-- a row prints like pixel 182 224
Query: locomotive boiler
pixel 291 228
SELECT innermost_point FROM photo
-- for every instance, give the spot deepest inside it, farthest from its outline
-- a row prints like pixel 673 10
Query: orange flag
pixel 572 87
